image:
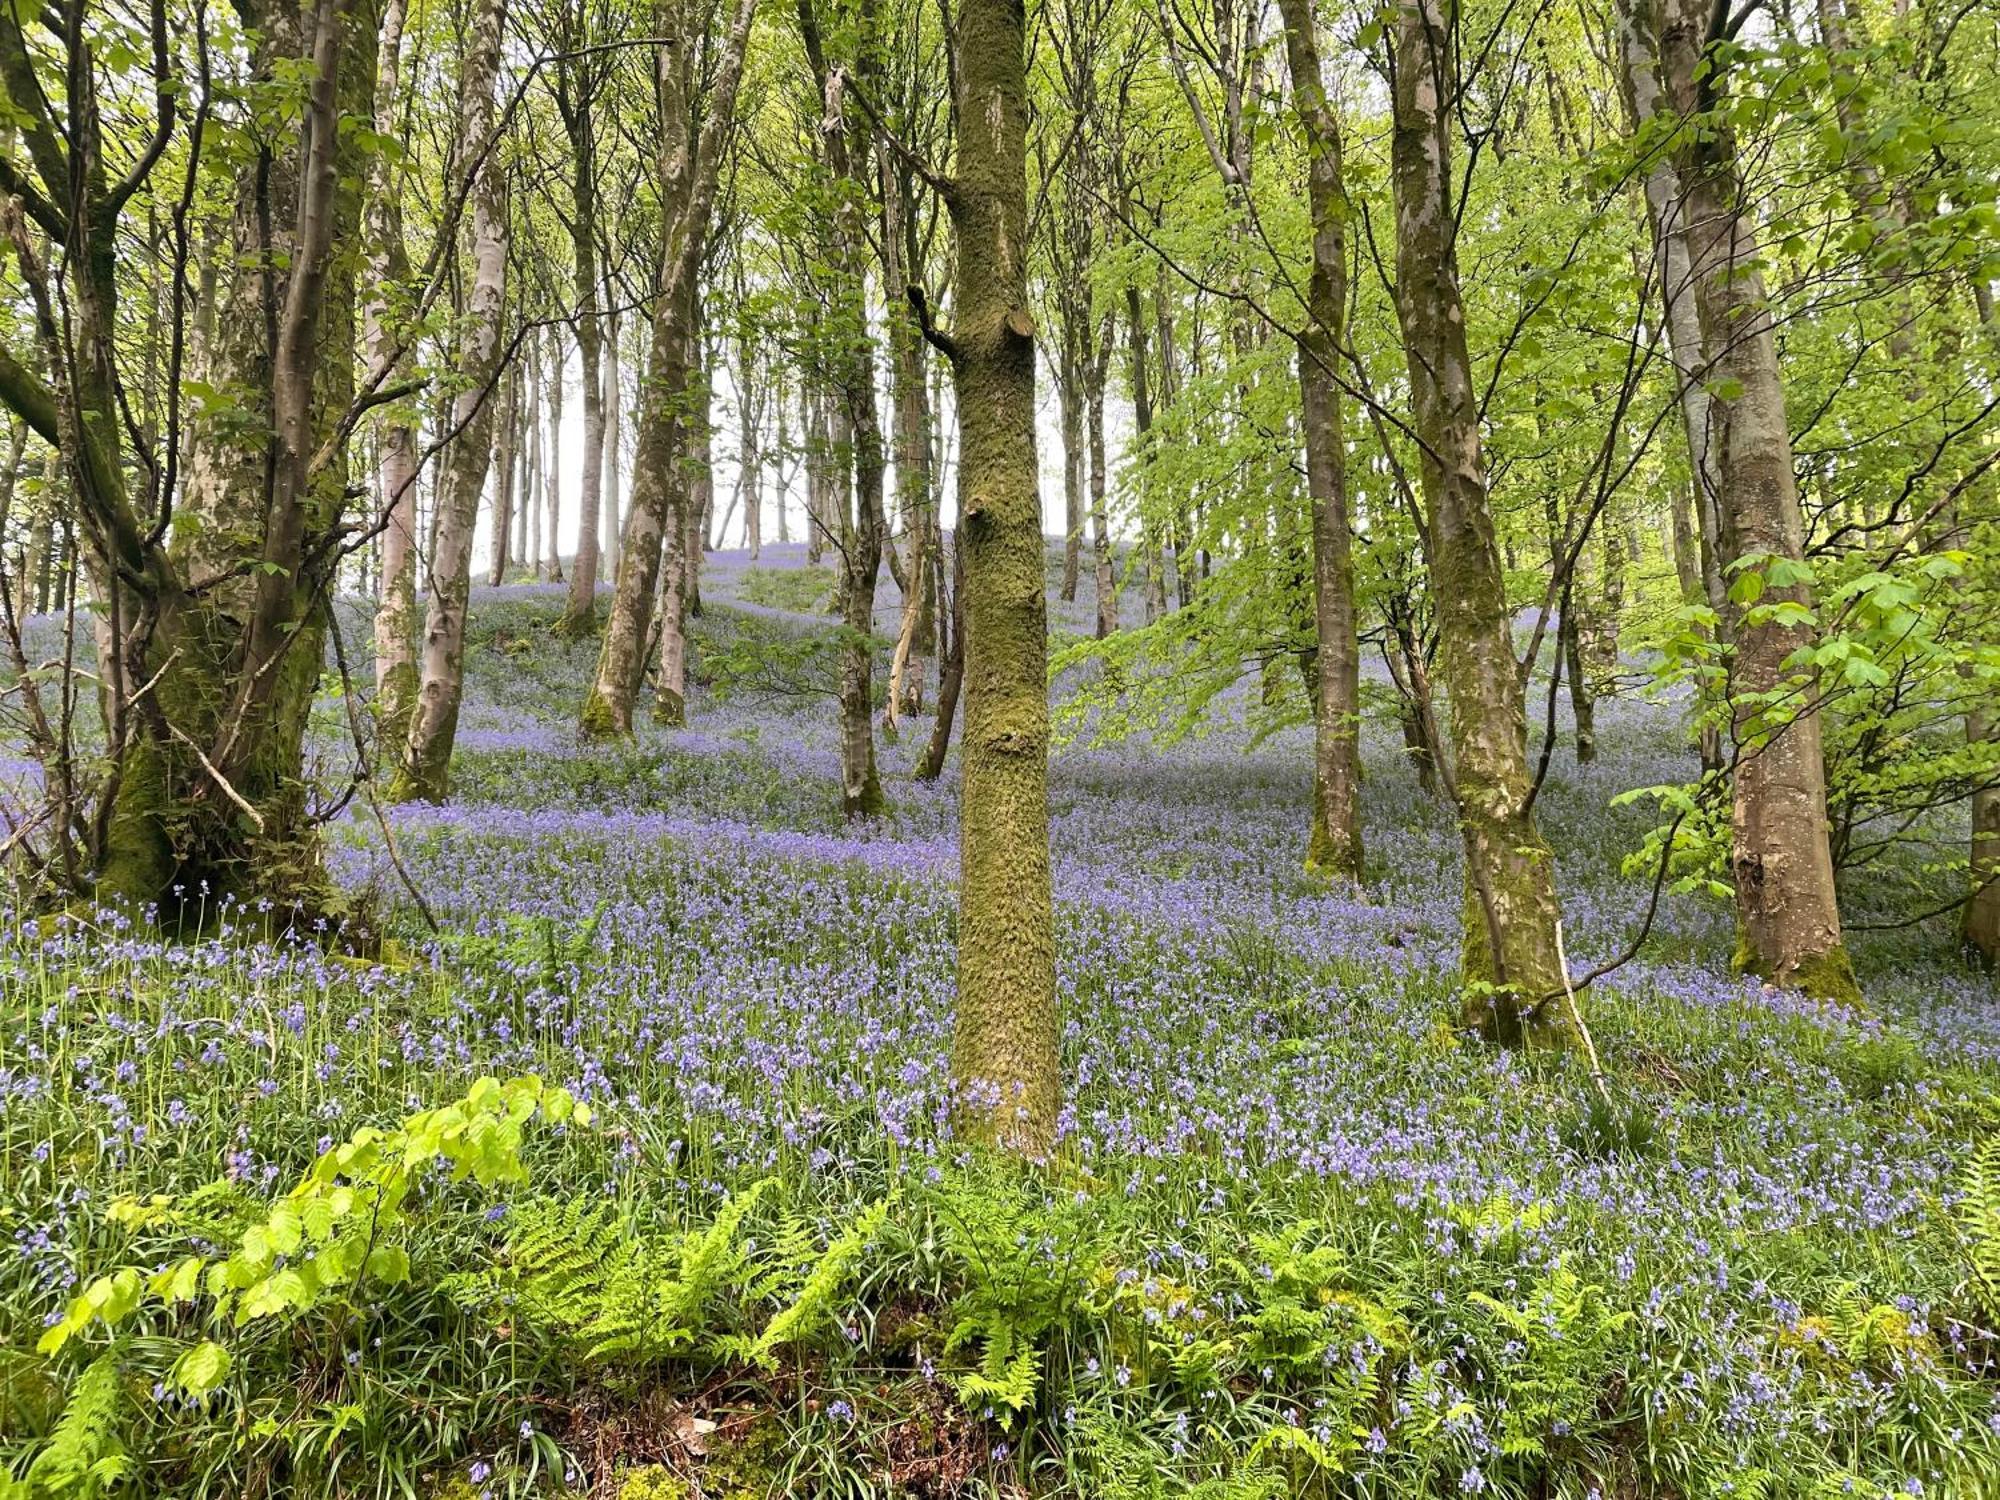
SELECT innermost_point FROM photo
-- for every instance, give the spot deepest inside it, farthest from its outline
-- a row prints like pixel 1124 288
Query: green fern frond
pixel 83 1456
pixel 1979 1218
pixel 1001 1381
pixel 815 1297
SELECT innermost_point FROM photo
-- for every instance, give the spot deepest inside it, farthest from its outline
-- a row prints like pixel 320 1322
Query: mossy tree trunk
pixel 1514 977
pixel 226 627
pixel 1788 917
pixel 1005 1052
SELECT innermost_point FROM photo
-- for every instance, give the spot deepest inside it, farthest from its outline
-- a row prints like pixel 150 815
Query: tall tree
pixel 208 631
pixel 426 770
pixel 396 468
pixel 851 361
pixel 693 133
pixel 1788 916
pixel 1512 968
pixel 1334 845
pixel 579 76
pixel 1005 1048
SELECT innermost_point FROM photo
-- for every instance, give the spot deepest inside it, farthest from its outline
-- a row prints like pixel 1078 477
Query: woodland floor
pixel 1302 1238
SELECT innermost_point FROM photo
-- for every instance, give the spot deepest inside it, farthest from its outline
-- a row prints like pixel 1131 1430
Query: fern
pixel 83 1456
pixel 815 1297
pixel 579 1271
pixel 1002 1380
pixel 1979 1218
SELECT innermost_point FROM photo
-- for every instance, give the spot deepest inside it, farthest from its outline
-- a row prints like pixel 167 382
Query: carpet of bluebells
pixel 1302 1238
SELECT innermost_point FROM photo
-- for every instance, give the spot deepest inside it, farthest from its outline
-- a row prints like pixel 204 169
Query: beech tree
pixel 1788 912
pixel 425 774
pixel 1005 1045
pixel 694 130
pixel 1512 961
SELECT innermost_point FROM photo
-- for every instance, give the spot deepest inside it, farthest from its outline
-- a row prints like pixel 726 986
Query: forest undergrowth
pixel 274 1236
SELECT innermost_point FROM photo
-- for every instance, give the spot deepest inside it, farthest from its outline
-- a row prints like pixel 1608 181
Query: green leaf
pixel 389 1264
pixel 201 1369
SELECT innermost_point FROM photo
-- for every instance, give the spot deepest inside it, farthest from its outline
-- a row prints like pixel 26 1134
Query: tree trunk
pixel 1069 393
pixel 426 772
pixel 503 478
pixel 750 410
pixel 1334 844
pixel 784 471
pixel 916 502
pixel 534 477
pixel 951 666
pixel 819 472
pixel 1787 914
pixel 1666 211
pixel 1142 424
pixel 1104 586
pixel 609 517
pixel 670 683
pixel 223 626
pixel 1981 925
pixel 552 488
pixel 396 470
pixel 1514 978
pixel 701 482
pixel 580 614
pixel 689 164
pixel 1005 1049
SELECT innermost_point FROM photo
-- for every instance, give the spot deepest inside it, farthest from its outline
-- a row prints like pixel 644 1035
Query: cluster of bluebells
pixel 684 933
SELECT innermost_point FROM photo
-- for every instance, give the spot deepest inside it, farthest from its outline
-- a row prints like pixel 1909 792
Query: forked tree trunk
pixel 690 160
pixel 1334 843
pixel 223 626
pixel 1005 1047
pixel 1514 979
pixel 1788 917
pixel 425 773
